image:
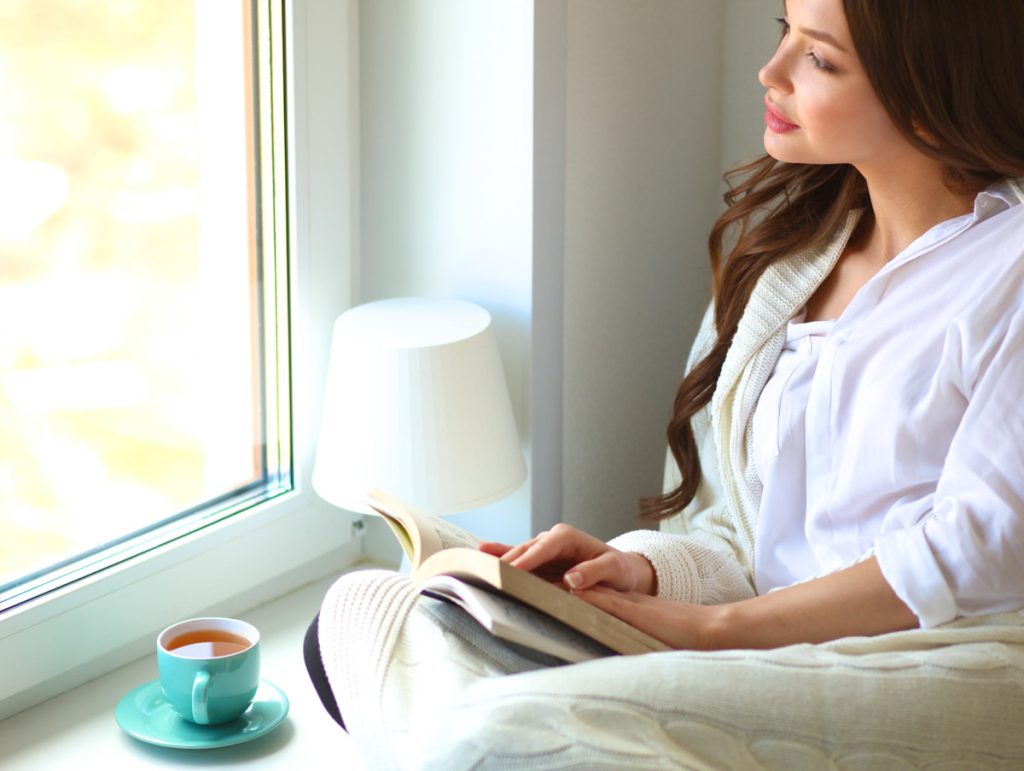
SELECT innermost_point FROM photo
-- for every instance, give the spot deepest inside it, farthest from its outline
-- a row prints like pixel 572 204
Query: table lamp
pixel 416 404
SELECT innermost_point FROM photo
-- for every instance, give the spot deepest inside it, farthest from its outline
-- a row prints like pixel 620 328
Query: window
pixel 170 267
pixel 138 397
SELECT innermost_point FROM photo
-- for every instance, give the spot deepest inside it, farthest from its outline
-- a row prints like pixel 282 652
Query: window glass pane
pixel 132 385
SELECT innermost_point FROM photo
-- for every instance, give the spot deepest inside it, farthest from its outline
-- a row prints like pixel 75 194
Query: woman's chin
pixel 782 148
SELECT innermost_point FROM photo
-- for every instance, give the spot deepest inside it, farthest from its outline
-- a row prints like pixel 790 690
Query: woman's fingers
pixel 568 555
pixel 642 611
pixel 540 552
pixel 625 605
pixel 516 551
pixel 548 571
pixel 493 547
pixel 677 624
pixel 608 568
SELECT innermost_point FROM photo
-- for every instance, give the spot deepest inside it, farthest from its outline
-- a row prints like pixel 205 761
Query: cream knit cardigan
pixel 419 686
pixel 715 563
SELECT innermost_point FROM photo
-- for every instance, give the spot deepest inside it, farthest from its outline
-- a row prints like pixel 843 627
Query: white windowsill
pixel 77 728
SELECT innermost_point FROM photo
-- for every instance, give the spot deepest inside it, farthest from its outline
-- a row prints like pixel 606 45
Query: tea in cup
pixel 209 668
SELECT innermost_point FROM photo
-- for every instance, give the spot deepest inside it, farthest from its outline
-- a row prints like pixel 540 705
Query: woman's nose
pixel 772 74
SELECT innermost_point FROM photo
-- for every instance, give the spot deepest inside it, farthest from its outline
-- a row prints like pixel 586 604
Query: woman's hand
pixel 677 624
pixel 578 560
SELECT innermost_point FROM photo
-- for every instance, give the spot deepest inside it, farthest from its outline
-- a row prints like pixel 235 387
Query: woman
pixel 848 478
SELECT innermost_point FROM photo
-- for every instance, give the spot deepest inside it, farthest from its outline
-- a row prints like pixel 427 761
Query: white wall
pixel 446 140
pixel 559 162
pixel 642 158
pixel 751 35
pixel 662 96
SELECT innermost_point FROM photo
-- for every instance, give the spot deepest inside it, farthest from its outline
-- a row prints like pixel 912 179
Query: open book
pixel 511 603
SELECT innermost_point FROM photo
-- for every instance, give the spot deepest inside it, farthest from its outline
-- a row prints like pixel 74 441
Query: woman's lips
pixel 775 120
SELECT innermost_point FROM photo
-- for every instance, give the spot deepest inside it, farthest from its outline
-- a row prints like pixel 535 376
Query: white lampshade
pixel 417 405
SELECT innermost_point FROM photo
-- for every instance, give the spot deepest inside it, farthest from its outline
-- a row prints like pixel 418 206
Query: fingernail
pixel 573 579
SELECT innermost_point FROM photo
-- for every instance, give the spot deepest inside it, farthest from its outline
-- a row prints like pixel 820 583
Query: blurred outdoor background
pixel 129 373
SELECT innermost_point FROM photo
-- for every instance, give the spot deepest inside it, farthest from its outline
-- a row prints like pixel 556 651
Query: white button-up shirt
pixel 899 426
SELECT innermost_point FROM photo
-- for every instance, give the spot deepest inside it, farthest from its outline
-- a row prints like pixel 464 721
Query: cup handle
pixel 200 686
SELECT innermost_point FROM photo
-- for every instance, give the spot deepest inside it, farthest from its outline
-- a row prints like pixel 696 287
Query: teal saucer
pixel 145 714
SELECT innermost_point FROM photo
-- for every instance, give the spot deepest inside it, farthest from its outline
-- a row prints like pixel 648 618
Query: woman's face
pixel 820 107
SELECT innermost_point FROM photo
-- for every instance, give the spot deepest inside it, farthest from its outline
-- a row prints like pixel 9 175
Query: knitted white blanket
pixel 420 685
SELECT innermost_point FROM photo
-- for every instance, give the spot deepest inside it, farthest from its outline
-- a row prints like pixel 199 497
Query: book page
pixel 516 622
pixel 451 536
pixel 420 534
pixel 405 539
pixel 485 570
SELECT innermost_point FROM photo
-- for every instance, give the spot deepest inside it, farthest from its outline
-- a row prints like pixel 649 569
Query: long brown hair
pixel 950 75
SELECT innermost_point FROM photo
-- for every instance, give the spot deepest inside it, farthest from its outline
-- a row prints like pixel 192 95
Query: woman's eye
pixel 816 60
pixel 820 63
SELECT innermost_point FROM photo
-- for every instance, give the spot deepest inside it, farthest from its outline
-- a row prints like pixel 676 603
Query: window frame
pixel 74 634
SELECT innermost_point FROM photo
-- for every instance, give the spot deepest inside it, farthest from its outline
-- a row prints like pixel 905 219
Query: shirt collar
pixel 996 198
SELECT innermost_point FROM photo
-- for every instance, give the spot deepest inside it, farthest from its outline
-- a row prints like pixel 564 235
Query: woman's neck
pixel 905 203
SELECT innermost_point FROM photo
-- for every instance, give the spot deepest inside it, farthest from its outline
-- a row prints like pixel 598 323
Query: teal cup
pixel 209 668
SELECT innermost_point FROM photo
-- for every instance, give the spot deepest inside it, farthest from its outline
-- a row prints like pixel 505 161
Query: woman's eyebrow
pixel 824 37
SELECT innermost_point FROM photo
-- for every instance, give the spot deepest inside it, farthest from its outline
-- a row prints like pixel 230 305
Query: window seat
pixel 78 727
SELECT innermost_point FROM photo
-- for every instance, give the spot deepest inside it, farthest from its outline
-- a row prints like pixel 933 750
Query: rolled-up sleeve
pixel 965 556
